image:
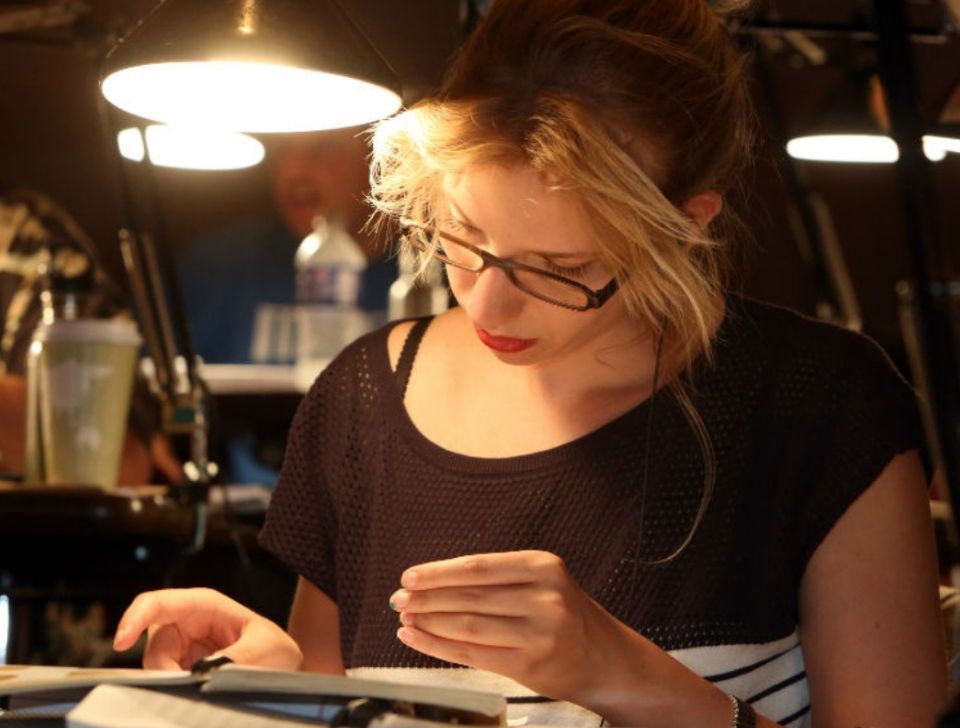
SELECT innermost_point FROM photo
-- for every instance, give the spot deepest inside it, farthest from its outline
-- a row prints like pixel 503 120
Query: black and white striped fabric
pixel 802 417
pixel 770 677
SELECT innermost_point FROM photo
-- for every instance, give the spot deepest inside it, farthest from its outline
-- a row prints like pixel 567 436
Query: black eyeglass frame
pixel 595 298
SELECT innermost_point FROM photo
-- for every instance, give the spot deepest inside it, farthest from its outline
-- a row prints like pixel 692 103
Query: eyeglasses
pixel 542 284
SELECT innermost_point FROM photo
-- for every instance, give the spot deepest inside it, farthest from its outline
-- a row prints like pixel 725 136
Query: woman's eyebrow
pixel 559 254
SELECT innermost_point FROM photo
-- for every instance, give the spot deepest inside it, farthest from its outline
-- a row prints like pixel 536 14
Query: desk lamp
pixel 250 65
pixel 855 129
pixel 241 66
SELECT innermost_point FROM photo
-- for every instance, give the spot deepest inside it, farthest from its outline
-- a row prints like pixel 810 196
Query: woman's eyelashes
pixel 568 271
pixel 458 226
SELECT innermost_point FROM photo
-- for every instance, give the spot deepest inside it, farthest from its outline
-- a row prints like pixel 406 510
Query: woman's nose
pixel 493 298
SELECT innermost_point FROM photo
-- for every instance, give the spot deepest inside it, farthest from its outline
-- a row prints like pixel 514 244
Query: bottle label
pixel 323 332
pixel 329 285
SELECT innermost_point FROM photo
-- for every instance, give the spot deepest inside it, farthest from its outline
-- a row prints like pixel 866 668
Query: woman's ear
pixel 703 207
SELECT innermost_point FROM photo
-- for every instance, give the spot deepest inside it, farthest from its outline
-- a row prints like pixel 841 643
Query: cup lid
pixel 108 331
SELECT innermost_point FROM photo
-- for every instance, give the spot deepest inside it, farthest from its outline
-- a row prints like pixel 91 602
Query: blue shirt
pixel 227 274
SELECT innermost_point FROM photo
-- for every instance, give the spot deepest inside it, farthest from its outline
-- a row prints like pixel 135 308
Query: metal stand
pixel 930 259
pixel 158 299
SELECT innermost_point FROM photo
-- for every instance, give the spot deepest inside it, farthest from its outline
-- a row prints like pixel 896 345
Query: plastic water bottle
pixel 418 290
pixel 329 267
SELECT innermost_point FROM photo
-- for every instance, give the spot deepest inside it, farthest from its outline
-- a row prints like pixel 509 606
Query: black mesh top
pixel 803 416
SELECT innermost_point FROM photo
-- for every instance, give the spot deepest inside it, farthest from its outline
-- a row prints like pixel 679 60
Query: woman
pixel 601 478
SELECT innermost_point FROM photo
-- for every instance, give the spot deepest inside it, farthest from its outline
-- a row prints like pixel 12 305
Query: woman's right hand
pixel 185 625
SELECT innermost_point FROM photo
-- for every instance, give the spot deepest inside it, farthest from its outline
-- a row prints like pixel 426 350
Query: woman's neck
pixel 619 359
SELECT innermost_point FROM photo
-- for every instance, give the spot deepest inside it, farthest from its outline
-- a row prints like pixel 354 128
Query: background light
pixel 191 148
pixel 937 147
pixel 4 628
pixel 255 97
pixel 869 148
pixel 866 148
pixel 131 146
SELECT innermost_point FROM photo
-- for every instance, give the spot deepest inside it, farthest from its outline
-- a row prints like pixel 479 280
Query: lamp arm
pixel 156 343
pixel 156 292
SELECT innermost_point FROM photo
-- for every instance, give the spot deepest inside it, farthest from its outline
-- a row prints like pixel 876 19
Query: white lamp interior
pixel 868 148
pixel 191 147
pixel 247 96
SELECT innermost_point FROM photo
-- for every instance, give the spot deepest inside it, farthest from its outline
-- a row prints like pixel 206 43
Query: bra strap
pixel 409 353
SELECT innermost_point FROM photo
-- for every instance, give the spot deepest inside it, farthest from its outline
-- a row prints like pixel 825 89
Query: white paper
pixel 18 679
pixel 118 706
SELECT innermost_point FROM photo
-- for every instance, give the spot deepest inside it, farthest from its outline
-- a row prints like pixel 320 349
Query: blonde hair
pixel 584 92
pixel 634 106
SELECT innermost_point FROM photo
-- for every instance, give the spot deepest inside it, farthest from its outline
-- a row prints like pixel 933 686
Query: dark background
pixel 51 139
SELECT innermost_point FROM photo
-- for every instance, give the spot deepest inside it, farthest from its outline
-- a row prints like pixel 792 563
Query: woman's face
pixel 512 213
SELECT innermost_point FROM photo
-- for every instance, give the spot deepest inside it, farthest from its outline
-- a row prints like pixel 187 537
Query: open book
pixel 305 695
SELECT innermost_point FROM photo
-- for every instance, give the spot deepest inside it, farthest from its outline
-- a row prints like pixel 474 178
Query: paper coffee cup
pixel 85 370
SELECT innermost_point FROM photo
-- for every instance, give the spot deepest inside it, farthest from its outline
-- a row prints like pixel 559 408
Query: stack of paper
pixel 236 696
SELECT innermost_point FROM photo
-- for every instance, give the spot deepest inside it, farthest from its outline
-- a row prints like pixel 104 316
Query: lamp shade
pixel 854 130
pixel 840 147
pixel 250 65
pixel 190 147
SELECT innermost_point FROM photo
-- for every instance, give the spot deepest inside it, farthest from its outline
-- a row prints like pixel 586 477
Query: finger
pixel 188 607
pixel 478 629
pixel 503 601
pixel 164 649
pixel 460 653
pixel 250 649
pixel 257 645
pixel 510 567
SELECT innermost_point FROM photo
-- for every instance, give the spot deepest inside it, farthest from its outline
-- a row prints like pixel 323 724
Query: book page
pixel 18 679
pixel 234 678
pixel 119 706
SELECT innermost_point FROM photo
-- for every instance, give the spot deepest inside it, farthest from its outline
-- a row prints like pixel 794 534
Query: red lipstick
pixel 504 344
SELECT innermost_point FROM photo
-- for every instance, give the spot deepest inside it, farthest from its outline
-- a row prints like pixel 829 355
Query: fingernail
pixel 409 578
pixel 405 635
pixel 120 635
pixel 406 618
pixel 399 600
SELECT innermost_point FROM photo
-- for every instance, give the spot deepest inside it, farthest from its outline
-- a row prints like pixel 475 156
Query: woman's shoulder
pixel 801 366
pixel 793 338
pixel 367 358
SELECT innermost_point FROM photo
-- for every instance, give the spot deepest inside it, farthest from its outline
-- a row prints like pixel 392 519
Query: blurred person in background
pixel 229 274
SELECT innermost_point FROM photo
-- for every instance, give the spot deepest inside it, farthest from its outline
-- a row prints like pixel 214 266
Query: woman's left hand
pixel 518 614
